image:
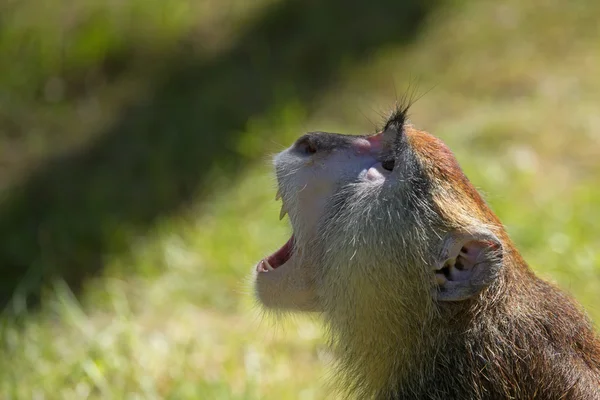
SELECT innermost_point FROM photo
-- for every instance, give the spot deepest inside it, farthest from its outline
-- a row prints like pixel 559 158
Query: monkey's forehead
pixel 455 197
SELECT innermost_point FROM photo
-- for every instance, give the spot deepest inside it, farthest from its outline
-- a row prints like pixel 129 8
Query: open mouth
pixel 278 258
pixel 282 255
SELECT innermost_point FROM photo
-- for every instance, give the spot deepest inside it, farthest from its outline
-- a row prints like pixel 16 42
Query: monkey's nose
pixel 362 146
pixel 368 144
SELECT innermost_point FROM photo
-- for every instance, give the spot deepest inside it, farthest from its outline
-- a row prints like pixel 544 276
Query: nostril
pixel 306 145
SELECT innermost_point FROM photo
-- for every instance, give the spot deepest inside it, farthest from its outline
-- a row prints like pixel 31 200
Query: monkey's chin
pixel 281 291
pixel 283 283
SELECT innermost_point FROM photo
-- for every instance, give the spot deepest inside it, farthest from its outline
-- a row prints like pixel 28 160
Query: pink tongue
pixel 279 258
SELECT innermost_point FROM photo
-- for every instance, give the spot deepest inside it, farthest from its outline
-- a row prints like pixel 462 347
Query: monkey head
pixel 388 217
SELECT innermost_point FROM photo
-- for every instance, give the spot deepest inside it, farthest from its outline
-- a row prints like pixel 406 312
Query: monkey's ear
pixel 468 262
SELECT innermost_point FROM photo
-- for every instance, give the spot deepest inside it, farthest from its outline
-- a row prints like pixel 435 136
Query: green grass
pixel 137 192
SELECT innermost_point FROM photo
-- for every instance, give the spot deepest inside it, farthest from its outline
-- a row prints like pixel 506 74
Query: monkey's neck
pixel 533 339
pixel 378 346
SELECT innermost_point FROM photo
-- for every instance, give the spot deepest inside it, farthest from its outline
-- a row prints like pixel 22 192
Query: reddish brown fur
pixel 522 337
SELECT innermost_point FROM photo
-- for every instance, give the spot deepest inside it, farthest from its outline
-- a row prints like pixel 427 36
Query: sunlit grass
pixel 191 331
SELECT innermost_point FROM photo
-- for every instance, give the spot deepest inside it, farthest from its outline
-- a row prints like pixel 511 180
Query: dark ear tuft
pixel 398 117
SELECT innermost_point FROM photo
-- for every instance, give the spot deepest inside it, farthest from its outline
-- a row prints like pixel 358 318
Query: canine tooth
pixel 278 195
pixel 269 268
pixel 282 212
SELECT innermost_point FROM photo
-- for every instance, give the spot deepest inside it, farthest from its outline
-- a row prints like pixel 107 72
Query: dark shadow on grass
pixel 64 218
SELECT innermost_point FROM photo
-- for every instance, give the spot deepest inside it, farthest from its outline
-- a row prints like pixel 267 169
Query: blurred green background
pixel 135 185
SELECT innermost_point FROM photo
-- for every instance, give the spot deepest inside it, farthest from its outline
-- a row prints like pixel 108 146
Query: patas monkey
pixel 423 292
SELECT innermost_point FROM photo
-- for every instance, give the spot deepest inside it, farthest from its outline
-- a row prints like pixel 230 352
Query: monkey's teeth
pixel 282 212
pixel 269 268
pixel 278 195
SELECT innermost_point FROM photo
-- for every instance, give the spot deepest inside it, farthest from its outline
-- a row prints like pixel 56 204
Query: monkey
pixel 422 292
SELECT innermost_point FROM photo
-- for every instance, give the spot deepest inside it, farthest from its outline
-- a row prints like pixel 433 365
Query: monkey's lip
pixel 278 258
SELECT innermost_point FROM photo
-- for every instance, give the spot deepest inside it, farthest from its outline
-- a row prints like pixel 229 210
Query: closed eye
pixel 306 145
